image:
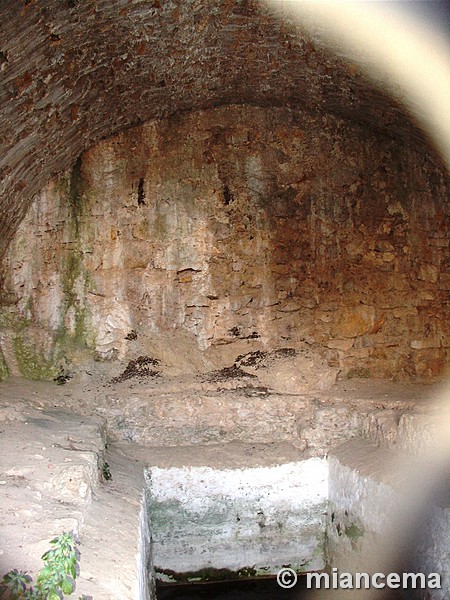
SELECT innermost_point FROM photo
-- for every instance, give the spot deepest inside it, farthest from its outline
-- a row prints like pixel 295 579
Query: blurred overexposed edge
pixel 397 51
pixel 411 62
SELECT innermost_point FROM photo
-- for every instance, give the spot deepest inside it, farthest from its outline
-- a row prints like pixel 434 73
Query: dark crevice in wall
pixel 228 197
pixel 76 192
pixel 3 59
pixel 141 193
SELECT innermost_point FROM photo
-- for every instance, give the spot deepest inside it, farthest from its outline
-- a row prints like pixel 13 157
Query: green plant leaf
pixel 67 586
pixel 55 579
pixel 49 554
pixel 45 573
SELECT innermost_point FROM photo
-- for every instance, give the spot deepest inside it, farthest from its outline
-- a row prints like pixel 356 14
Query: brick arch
pixel 74 72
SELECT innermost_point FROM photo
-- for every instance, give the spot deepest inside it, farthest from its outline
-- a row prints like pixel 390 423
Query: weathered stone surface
pixel 216 225
pixel 49 472
pixel 321 427
pixel 198 417
pixel 376 499
pixel 353 322
pixel 73 482
pixel 340 344
pixel 428 342
pixel 275 490
pixel 304 372
pixel 428 273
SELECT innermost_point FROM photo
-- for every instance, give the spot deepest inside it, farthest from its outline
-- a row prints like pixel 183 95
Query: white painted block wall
pixel 253 520
pixel 374 514
pixel 246 518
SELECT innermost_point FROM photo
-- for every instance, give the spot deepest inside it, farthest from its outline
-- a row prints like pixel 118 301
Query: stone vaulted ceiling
pixel 75 71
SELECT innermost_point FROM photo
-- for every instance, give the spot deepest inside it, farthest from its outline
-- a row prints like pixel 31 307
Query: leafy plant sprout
pixel 55 580
pixel 106 472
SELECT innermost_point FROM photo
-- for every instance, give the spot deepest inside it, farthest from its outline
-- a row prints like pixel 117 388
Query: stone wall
pixel 236 223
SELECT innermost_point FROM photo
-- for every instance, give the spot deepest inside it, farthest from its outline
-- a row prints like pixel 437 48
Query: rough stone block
pixel 428 273
pixel 353 322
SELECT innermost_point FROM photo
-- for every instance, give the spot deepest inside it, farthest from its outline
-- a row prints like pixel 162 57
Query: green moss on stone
pixel 4 372
pixel 72 271
pixel 353 532
pixel 81 337
pixel 5 318
pixel 32 363
pixel 208 574
pixel 77 194
pixel 10 320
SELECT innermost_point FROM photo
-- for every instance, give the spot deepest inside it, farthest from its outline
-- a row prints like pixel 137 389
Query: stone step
pixel 49 475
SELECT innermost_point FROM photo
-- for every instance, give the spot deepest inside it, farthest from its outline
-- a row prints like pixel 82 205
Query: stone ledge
pixel 49 474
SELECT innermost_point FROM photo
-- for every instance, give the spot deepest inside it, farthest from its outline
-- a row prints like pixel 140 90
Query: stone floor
pixel 55 439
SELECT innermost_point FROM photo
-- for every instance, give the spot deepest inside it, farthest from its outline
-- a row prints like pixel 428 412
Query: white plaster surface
pixel 259 518
pixel 382 515
pixel 145 580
